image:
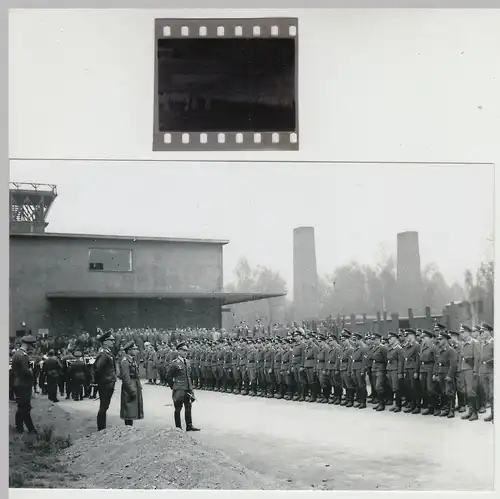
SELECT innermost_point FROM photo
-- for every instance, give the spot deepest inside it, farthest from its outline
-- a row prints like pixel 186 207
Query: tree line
pixel 355 288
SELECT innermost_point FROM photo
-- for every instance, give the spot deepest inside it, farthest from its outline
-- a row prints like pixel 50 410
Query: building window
pixel 110 260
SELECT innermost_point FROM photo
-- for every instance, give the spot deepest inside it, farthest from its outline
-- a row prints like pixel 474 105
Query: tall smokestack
pixel 305 275
pixel 409 277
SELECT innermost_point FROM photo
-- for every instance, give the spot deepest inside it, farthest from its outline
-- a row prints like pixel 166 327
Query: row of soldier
pixel 424 372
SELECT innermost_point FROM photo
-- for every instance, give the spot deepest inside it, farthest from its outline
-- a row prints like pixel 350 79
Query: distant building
pixel 409 277
pixel 69 283
pixel 305 275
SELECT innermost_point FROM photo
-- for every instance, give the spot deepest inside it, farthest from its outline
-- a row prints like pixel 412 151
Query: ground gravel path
pixel 157 458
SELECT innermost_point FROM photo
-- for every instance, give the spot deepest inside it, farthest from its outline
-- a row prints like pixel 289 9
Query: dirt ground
pixel 255 443
pixel 324 447
pixel 70 453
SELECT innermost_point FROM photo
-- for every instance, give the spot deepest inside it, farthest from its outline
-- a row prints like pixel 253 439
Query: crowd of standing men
pixel 418 371
pixel 425 372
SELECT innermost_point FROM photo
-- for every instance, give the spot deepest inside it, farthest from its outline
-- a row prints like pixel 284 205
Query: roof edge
pixel 111 237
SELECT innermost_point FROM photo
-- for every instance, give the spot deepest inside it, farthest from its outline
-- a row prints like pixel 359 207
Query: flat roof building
pixel 67 283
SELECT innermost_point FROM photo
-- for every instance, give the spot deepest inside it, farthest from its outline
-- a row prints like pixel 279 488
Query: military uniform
pixel 286 373
pixel 227 374
pixel 242 359
pixel 77 373
pixel 22 374
pixel 269 377
pixel 427 365
pixel 412 370
pixel 235 366
pixel 345 370
pixel 251 371
pixel 131 402
pixel 297 367
pixel 65 383
pixel 469 365
pixel 310 352
pixel 378 358
pixel 279 380
pixel 395 372
pixel 51 370
pixel 321 372
pixel 445 370
pixel 358 371
pixel 179 380
pixel 486 371
pixel 105 375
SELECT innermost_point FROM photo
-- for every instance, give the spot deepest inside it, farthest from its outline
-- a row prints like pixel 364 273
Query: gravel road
pixel 316 446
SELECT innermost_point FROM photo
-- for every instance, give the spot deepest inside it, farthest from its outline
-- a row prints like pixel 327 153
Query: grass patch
pixel 47 442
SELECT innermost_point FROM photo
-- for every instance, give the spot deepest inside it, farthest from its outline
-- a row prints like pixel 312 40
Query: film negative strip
pixel 226 84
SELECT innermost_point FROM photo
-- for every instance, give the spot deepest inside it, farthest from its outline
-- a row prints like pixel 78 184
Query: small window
pixel 110 260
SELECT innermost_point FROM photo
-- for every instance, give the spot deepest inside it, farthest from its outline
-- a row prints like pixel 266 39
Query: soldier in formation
pixel 436 372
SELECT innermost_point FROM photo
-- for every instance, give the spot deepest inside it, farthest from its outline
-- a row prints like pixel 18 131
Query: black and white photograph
pixel 200 299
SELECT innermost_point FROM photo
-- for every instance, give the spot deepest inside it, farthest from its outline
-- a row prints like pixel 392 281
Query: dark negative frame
pixel 223 140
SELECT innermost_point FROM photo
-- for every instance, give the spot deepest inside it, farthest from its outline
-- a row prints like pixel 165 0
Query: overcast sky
pixel 357 210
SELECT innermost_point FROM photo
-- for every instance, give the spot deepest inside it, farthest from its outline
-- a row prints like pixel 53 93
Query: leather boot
pixel 380 407
pixel 446 407
pixel 471 409
pixel 490 417
pixel 409 408
pixel 451 410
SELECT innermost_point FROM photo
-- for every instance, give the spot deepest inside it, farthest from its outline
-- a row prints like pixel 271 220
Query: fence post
pixel 379 323
pixel 364 318
pixel 385 329
pixel 410 317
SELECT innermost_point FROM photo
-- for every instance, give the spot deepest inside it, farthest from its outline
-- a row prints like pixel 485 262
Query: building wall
pixel 374 84
pixel 68 316
pixel 40 265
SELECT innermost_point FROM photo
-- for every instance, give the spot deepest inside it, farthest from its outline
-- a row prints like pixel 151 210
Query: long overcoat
pixel 131 402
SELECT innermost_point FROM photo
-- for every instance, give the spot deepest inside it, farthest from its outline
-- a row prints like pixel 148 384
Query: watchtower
pixel 30 205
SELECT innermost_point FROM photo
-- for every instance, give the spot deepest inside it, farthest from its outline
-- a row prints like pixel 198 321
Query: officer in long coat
pixel 105 376
pixel 131 402
pixel 179 380
pixel 22 373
